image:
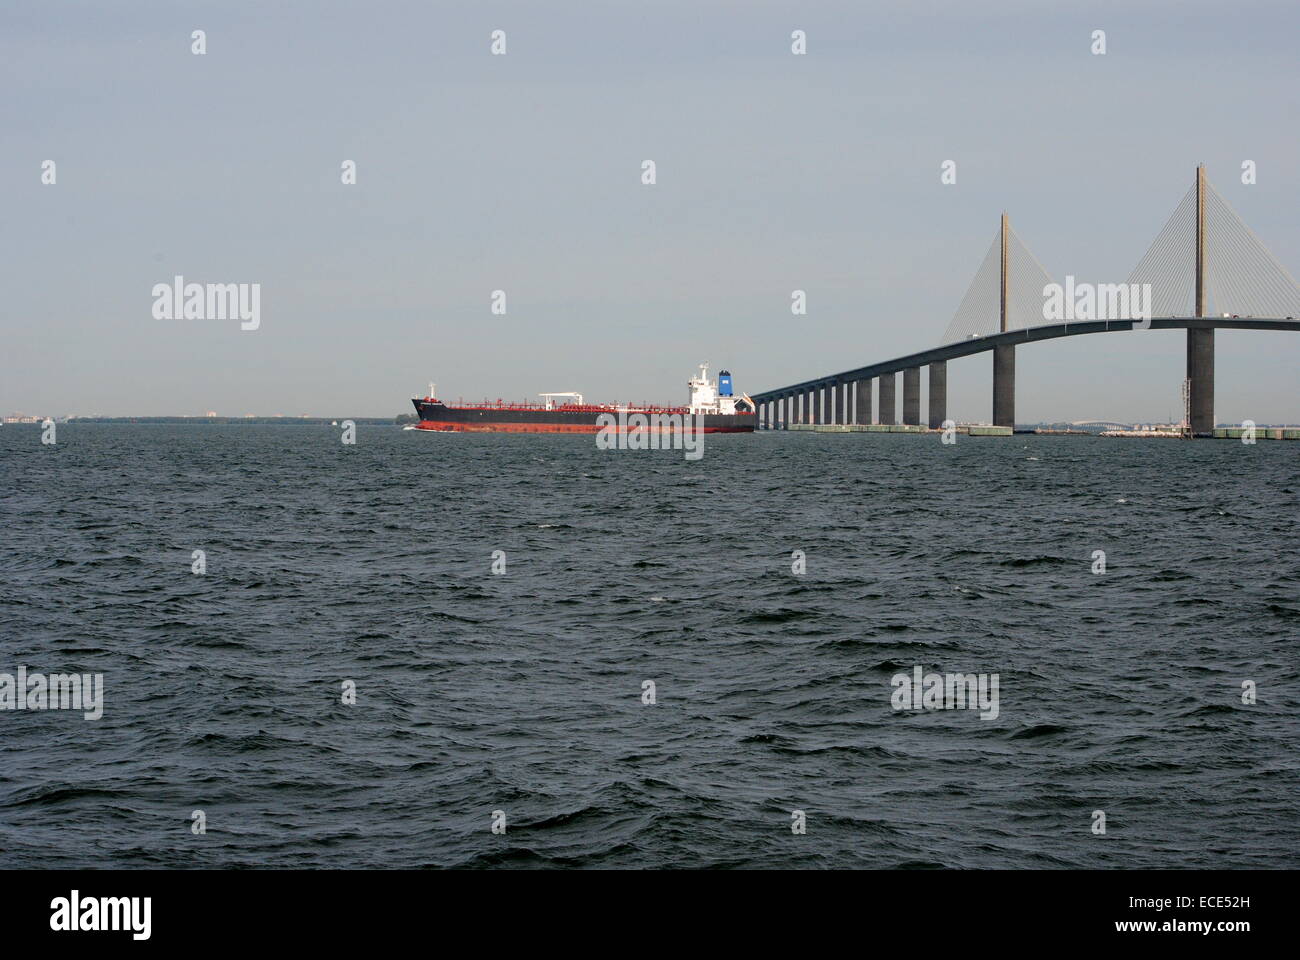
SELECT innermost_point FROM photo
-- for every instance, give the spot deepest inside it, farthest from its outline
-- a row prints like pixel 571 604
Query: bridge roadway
pixel 821 393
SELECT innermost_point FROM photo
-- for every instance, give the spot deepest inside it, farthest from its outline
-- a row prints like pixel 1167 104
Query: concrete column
pixel 841 408
pixel 863 389
pixel 821 405
pixel 809 413
pixel 1200 370
pixel 1004 386
pixel 888 413
pixel 912 395
pixel 1200 343
pixel 1200 241
pixel 938 393
pixel 1004 279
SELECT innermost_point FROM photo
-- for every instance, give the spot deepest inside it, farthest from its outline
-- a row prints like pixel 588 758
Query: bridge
pixel 1205 255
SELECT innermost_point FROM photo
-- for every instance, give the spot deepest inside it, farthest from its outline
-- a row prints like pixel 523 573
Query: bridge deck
pixel 1051 331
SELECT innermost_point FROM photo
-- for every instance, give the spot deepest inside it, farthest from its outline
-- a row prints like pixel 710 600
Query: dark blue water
pixel 1119 692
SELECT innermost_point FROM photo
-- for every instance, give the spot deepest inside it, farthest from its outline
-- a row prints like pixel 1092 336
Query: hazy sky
pixel 523 173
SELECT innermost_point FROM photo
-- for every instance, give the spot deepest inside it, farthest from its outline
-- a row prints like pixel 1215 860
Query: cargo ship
pixel 712 403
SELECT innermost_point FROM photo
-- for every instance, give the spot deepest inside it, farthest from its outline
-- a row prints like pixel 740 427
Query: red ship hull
pixel 570 418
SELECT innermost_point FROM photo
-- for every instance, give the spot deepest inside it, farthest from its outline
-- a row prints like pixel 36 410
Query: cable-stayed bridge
pixel 1206 269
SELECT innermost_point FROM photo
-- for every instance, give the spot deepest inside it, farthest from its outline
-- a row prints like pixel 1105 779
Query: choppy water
pixel 522 692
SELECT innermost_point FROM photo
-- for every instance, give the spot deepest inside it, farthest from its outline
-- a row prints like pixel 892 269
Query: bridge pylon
pixel 1004 356
pixel 1200 342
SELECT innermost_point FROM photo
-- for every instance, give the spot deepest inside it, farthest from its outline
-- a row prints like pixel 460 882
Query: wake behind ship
pixel 711 402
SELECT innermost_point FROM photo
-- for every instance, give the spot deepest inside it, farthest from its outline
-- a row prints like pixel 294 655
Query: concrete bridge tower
pixel 1004 356
pixel 1200 341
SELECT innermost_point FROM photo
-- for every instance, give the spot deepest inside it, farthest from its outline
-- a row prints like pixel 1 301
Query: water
pixel 1119 692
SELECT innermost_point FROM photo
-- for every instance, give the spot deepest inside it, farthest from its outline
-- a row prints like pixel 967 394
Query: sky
pixel 523 173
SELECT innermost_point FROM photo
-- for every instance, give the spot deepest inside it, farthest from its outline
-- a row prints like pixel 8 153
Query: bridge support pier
pixel 821 405
pixel 863 412
pixel 1004 386
pixel 938 393
pixel 912 395
pixel 1200 371
pixel 888 412
pixel 841 404
pixel 808 407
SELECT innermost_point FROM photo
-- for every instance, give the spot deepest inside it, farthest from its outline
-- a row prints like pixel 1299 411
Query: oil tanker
pixel 712 403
